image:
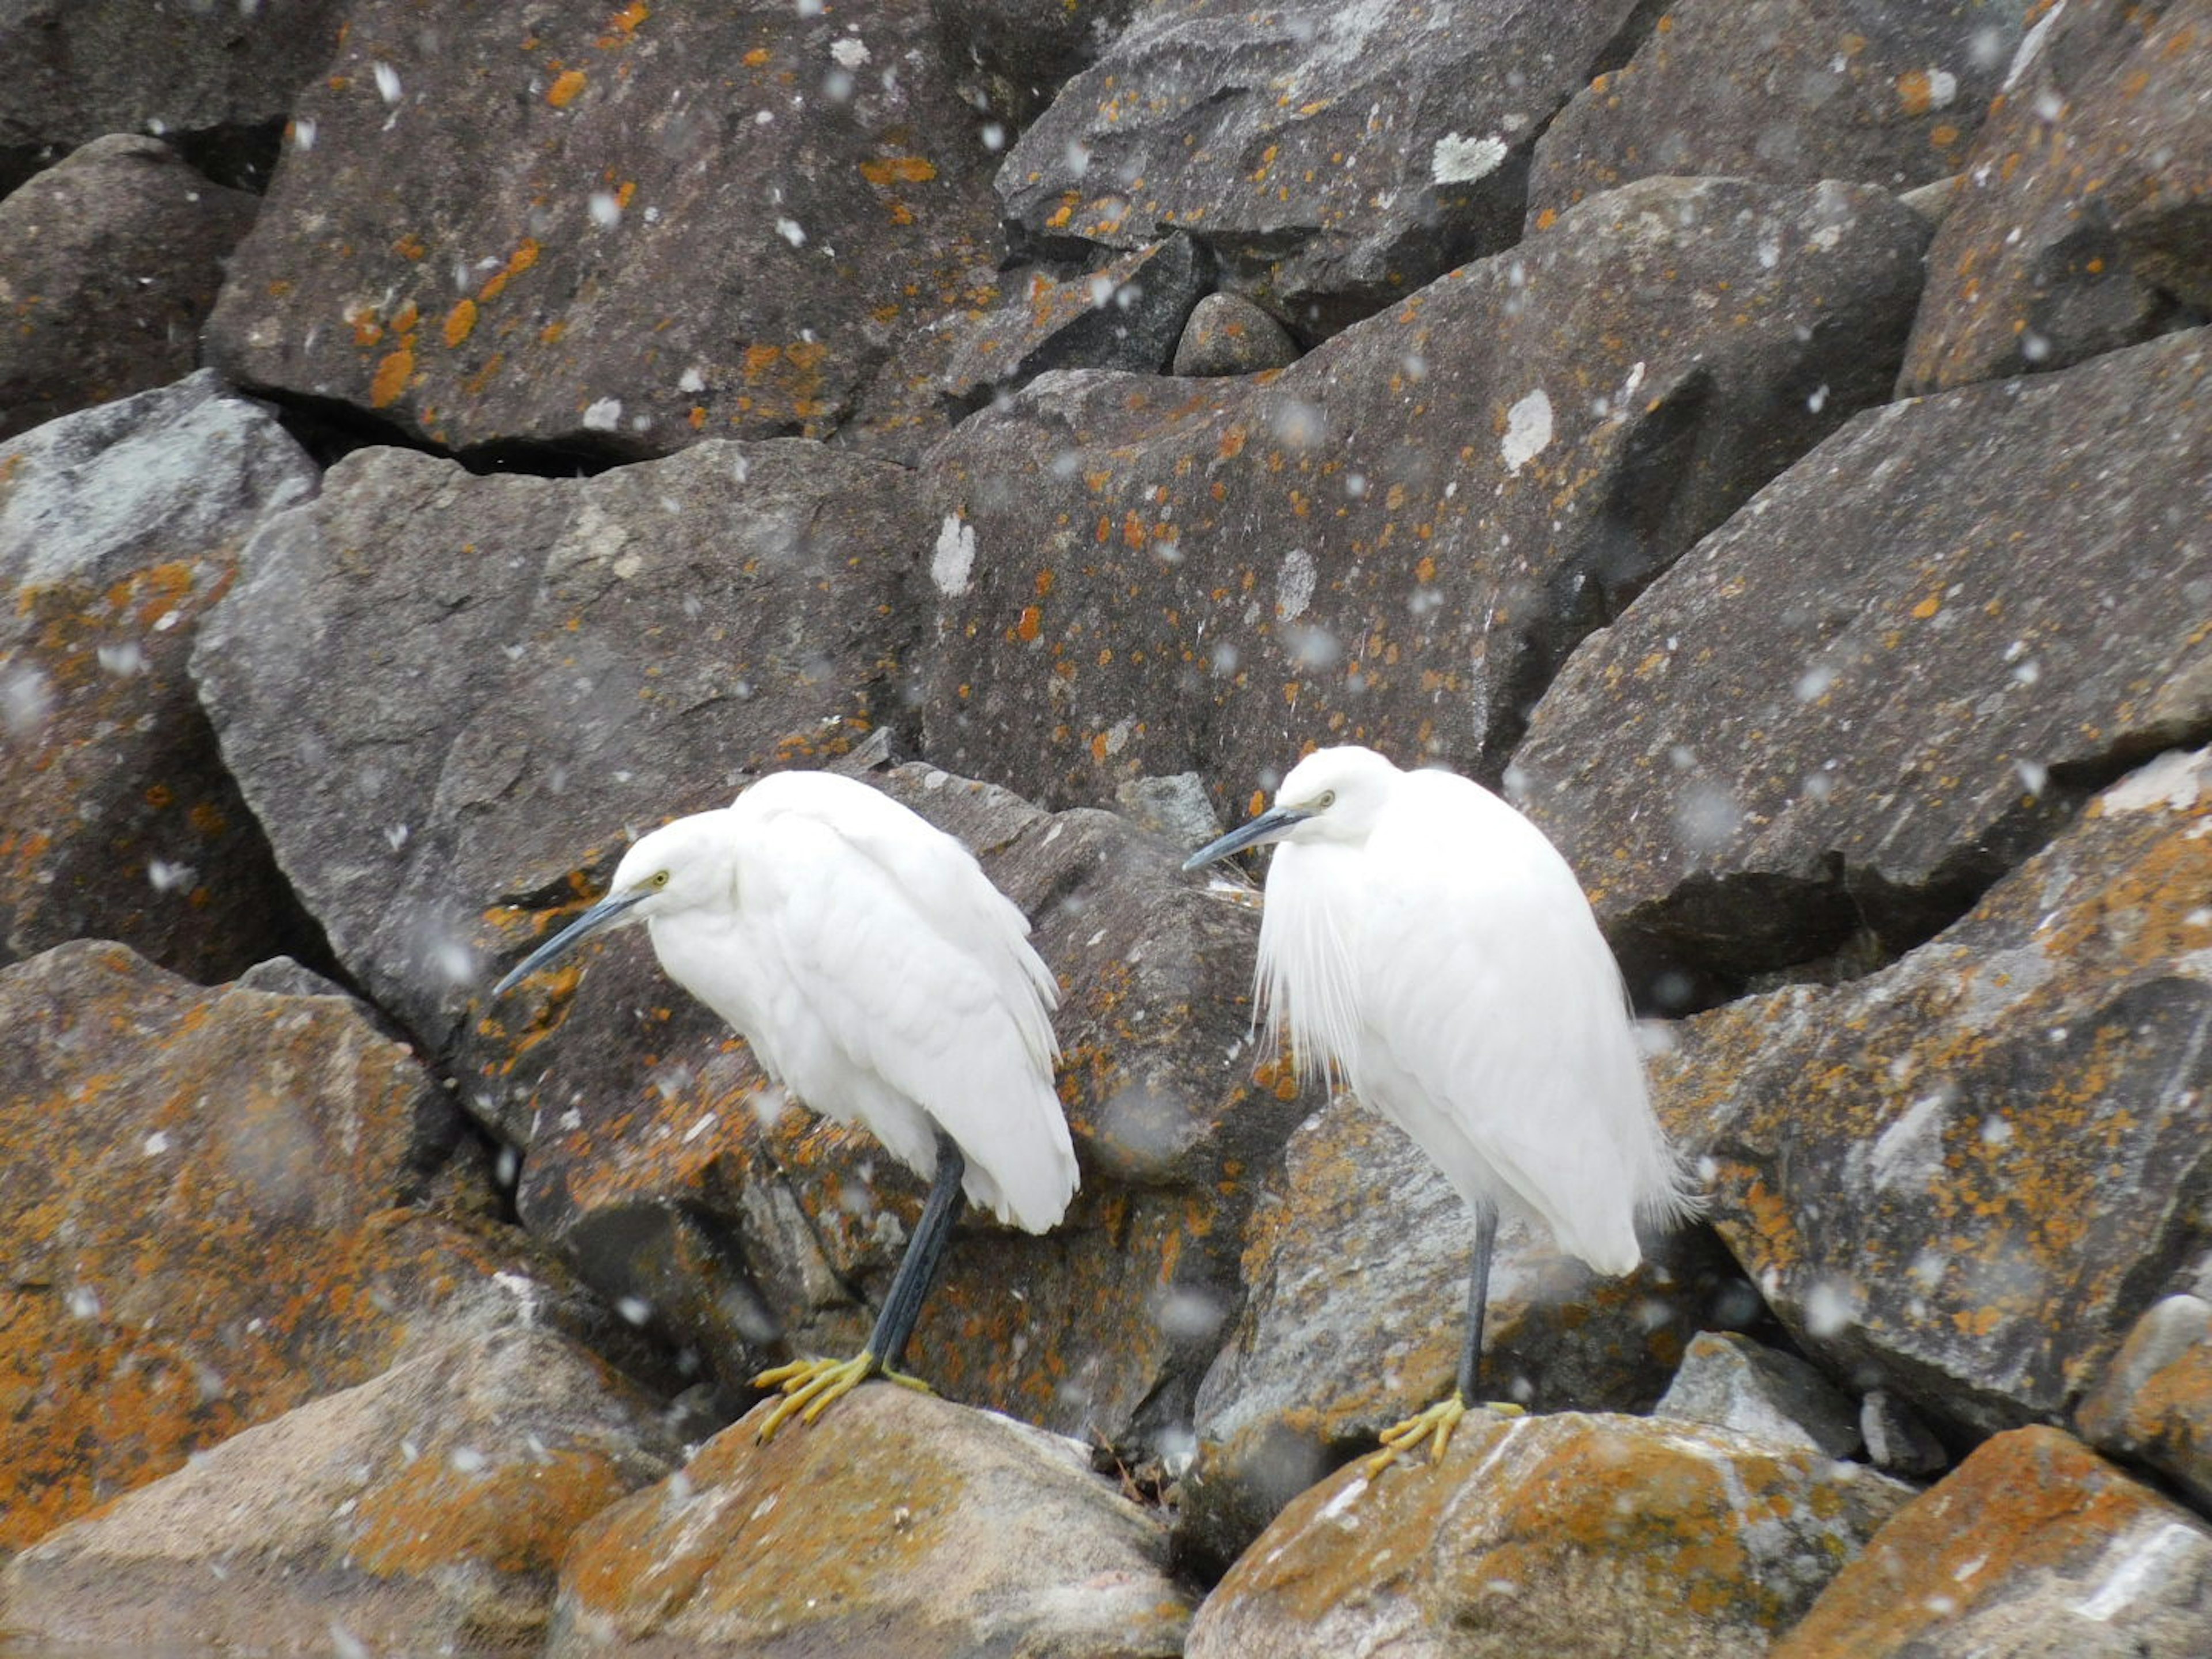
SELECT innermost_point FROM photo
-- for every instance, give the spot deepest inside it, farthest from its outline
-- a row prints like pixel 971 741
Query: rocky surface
pixel 964 1533
pixel 113 261
pixel 425 1508
pixel 2155 1405
pixel 1732 1382
pixel 1569 1535
pixel 119 527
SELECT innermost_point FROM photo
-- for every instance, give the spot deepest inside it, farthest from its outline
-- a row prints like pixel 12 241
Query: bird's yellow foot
pixel 809 1385
pixel 1434 1425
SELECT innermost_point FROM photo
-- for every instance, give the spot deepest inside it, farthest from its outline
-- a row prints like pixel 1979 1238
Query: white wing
pixel 904 980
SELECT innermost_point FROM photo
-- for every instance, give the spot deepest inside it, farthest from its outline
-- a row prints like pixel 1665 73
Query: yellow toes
pixel 1434 1425
pixel 810 1386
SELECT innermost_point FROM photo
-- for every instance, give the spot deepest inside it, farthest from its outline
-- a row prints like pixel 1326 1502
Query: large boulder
pixel 1573 1536
pixel 1397 538
pixel 1964 1177
pixel 119 527
pixel 109 263
pixel 2079 227
pixel 1793 91
pixel 1334 158
pixel 1891 676
pixel 427 1508
pixel 552 235
pixel 897 1523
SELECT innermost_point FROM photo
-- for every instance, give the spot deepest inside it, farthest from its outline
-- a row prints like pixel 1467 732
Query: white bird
pixel 1424 942
pixel 881 978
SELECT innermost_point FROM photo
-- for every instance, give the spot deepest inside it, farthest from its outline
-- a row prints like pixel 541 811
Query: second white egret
pixel 1424 942
pixel 878 975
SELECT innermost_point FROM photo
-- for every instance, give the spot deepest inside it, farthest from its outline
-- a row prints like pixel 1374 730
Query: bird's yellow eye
pixel 659 878
pixel 1328 799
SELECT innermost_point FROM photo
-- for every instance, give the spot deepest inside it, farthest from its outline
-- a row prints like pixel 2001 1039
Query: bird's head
pixel 679 866
pixel 1332 795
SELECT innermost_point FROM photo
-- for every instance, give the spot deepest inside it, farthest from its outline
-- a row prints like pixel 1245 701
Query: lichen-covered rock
pixel 1227 334
pixel 1333 157
pixel 1887 679
pixel 537 226
pixel 210 1212
pixel 2155 1403
pixel 1395 540
pixel 1356 1259
pixel 109 263
pixel 1575 1537
pixel 1732 1382
pixel 2080 226
pixel 118 527
pixel 427 1508
pixel 897 1523
pixel 1012 56
pixel 1788 90
pixel 2035 1548
pixel 1965 1176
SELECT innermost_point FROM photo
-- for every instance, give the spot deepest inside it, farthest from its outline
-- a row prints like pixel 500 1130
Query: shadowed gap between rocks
pixel 330 428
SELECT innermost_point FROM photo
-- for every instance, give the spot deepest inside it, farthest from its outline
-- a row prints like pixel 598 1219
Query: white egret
pixel 879 976
pixel 1424 942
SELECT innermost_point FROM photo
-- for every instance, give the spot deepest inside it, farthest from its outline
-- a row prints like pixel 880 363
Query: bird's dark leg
pixel 1436 1424
pixel 917 1268
pixel 1478 1299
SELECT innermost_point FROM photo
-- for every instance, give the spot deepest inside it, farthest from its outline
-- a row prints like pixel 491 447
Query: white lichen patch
pixel 954 561
pixel 1528 430
pixel 1294 584
pixel 1460 159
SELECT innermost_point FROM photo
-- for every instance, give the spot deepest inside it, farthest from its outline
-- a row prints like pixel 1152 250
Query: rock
pixel 2034 1549
pixel 1159 576
pixel 1897 1441
pixel 1732 1382
pixel 1356 1259
pixel 1964 1177
pixel 2080 226
pixel 1792 91
pixel 429 1506
pixel 2155 1405
pixel 549 237
pixel 118 527
pixel 1889 678
pixel 108 264
pixel 962 1532
pixel 1227 334
pixel 1176 808
pixel 1125 315
pixel 214 77
pixel 665 1168
pixel 1567 1536
pixel 1012 56
pixel 1333 158
pixel 210 1201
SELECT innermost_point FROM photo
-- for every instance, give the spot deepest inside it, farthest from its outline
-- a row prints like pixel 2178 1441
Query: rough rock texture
pixel 897 1523
pixel 1570 1536
pixel 109 263
pixel 1357 1310
pixel 118 527
pixel 1889 678
pixel 2034 1549
pixel 2080 226
pixel 211 1211
pixel 1966 1176
pixel 426 1507
pixel 674 1176
pixel 539 225
pixel 210 75
pixel 1333 157
pixel 1732 1382
pixel 1228 334
pixel 2155 1405
pixel 1011 56
pixel 1152 577
pixel 1788 90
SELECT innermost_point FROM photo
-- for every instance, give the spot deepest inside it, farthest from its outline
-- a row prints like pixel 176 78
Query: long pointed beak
pixel 1271 825
pixel 604 914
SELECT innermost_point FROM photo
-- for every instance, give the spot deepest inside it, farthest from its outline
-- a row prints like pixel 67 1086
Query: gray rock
pixel 2155 1405
pixel 119 527
pixel 1334 158
pixel 565 243
pixel 1395 540
pixel 2079 228
pixel 1010 56
pixel 1732 1382
pixel 1227 334
pixel 1896 1439
pixel 426 1507
pixel 1964 1177
pixel 1792 91
pixel 1891 676
pixel 1177 808
pixel 109 263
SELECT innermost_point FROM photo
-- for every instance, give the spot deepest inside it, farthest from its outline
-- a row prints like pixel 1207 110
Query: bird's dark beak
pixel 1271 825
pixel 604 914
